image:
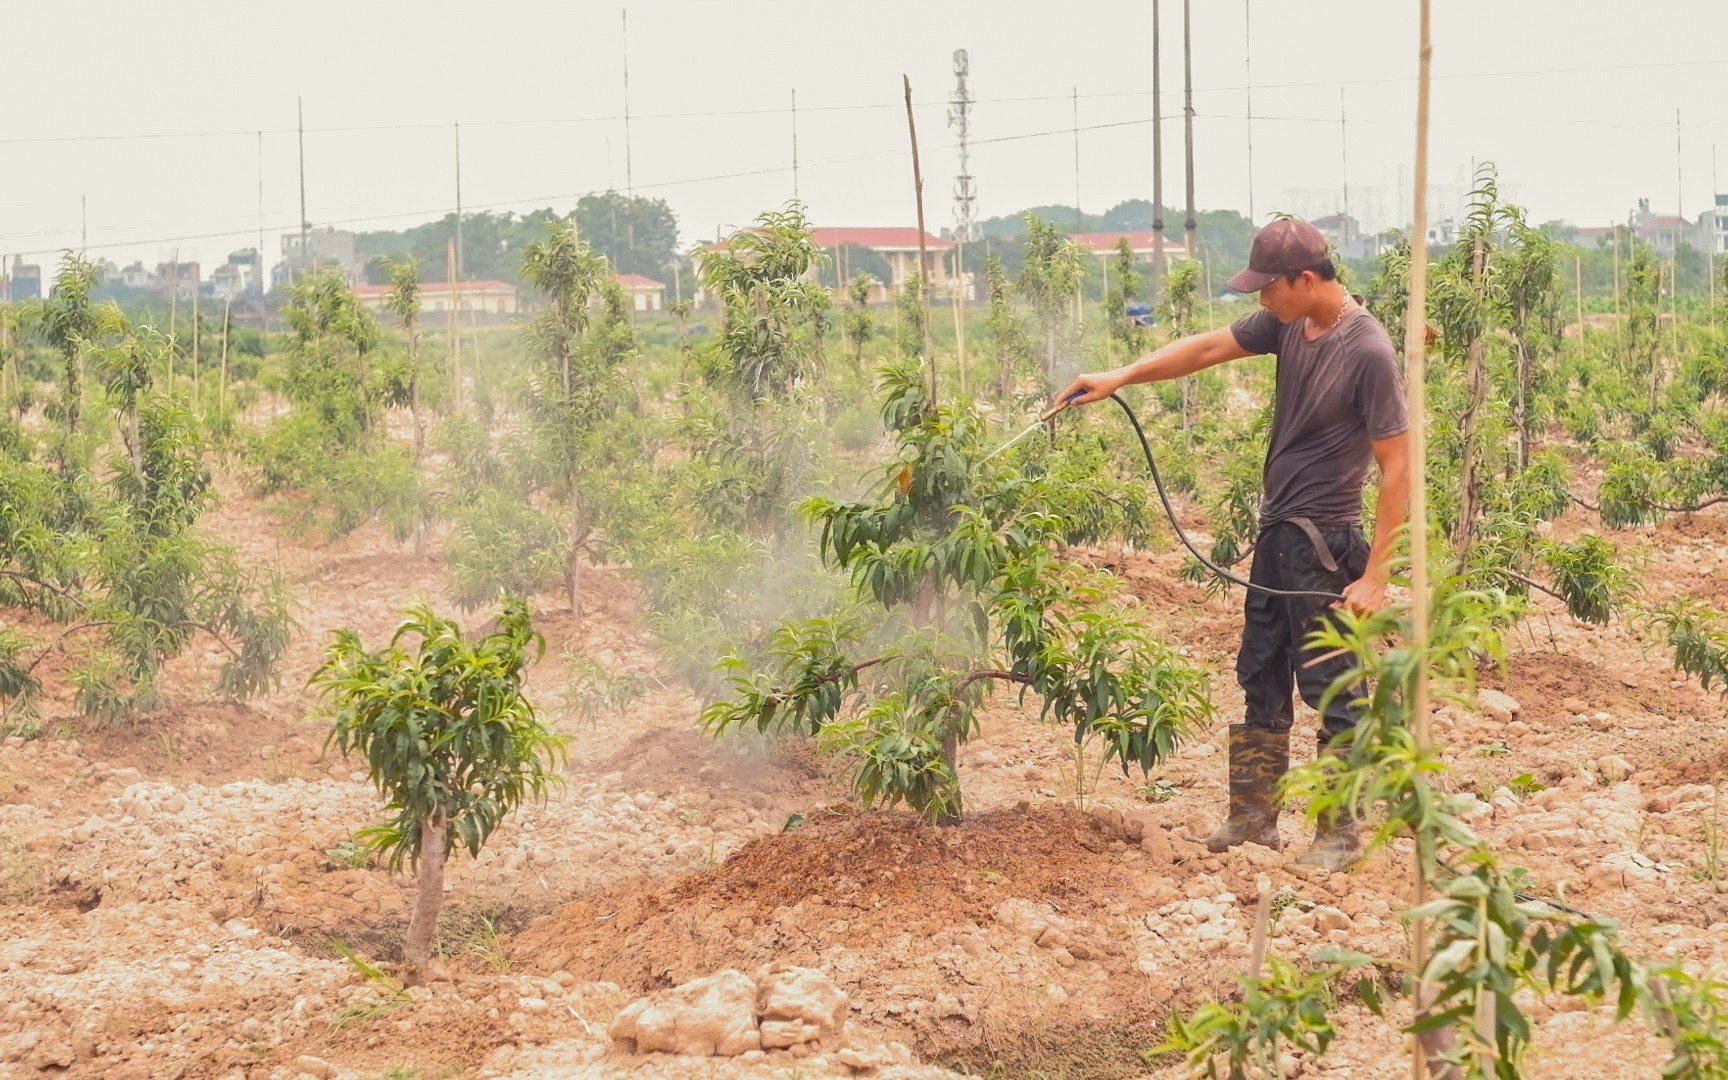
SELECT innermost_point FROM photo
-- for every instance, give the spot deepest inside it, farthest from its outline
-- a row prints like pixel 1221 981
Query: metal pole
pixel 629 172
pixel 1079 217
pixel 300 125
pixel 1248 80
pixel 1190 225
pixel 1157 161
pixel 455 343
pixel 459 260
pixel 795 145
pixel 261 289
pixel 1344 161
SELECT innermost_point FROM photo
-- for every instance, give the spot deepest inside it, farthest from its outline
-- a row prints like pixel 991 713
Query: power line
pixel 706 114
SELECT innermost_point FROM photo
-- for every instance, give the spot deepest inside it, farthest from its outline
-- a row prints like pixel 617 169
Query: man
pixel 1339 403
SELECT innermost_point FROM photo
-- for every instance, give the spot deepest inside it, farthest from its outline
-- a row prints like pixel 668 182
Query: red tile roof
pixel 637 281
pixel 883 238
pixel 1102 243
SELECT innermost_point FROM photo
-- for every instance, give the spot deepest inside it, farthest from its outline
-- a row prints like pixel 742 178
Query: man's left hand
pixel 1365 595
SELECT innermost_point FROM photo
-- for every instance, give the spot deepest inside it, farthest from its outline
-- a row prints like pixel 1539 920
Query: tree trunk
pixel 951 758
pixel 1467 427
pixel 1050 356
pixel 1524 391
pixel 428 896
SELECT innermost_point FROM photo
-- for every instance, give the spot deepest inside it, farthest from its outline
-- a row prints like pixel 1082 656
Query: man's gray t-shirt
pixel 1335 395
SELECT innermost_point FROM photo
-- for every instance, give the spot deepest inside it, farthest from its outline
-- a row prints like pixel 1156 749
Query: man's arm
pixel 1184 356
pixel 1368 593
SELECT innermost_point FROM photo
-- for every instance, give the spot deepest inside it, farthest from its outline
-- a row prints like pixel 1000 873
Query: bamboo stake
pixel 1578 284
pixel 1415 369
pixel 453 345
pixel 196 368
pixel 222 380
pixel 173 312
pixel 923 259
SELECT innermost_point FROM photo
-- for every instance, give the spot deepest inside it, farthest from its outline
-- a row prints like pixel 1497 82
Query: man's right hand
pixel 1085 389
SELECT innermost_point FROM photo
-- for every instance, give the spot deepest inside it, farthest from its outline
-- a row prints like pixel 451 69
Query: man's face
pixel 1289 300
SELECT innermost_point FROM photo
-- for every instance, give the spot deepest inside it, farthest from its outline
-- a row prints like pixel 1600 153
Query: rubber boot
pixel 1337 843
pixel 1258 757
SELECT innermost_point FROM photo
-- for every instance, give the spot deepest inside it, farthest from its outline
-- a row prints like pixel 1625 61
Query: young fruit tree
pixel 1049 280
pixel 523 539
pixel 960 562
pixel 1005 331
pixel 1495 949
pixel 450 740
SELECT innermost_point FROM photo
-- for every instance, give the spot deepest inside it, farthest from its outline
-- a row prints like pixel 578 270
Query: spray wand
pixel 1163 497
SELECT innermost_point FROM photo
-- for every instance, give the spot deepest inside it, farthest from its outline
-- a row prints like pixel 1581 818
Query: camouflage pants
pixel 1271 663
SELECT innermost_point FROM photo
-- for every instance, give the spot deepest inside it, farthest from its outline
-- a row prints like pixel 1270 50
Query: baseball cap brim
pixel 1249 281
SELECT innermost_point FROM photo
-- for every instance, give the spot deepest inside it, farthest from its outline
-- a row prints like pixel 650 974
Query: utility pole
pixel 795 145
pixel 451 328
pixel 965 200
pixel 629 173
pixel 629 167
pixel 1157 160
pixel 1079 217
pixel 305 225
pixel 260 221
pixel 458 201
pixel 1248 87
pixel 1716 212
pixel 1344 161
pixel 1679 222
pixel 83 223
pixel 1190 225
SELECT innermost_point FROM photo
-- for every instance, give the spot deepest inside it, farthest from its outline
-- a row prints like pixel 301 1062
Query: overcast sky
pixel 1574 100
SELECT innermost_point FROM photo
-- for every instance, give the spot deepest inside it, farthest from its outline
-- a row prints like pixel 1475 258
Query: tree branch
pixel 28 580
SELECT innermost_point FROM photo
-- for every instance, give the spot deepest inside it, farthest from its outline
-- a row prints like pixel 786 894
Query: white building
pixel 438 297
pixel 645 293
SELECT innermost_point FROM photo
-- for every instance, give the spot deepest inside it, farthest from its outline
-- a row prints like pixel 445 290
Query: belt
pixel 1312 531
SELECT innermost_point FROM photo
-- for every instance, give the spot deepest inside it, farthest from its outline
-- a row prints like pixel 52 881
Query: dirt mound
pixel 959 941
pixel 845 879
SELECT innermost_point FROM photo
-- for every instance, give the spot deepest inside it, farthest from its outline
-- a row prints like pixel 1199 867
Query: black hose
pixel 1163 497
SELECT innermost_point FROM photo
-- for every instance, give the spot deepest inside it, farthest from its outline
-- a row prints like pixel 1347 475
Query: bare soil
pixel 174 894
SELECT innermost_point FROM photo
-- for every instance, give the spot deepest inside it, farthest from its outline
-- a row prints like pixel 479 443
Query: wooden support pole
pixel 452 330
pixel 222 379
pixel 1415 372
pixel 923 258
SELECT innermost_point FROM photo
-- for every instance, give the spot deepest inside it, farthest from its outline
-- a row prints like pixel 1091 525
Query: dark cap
pixel 1287 246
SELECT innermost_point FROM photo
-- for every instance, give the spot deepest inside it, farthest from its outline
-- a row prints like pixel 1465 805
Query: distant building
pixel 896 244
pixel 323 247
pixel 1661 231
pixel 24 282
pixel 645 294
pixel 180 278
pixel 438 297
pixel 240 275
pixel 1142 245
pixel 134 276
pixel 1713 227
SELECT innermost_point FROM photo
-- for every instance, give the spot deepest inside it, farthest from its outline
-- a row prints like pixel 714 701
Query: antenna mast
pixel 959 118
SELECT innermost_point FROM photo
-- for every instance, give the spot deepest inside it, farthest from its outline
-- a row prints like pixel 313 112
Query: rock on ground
pixel 711 1016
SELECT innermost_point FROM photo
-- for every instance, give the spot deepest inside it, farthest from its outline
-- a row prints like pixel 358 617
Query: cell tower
pixel 965 188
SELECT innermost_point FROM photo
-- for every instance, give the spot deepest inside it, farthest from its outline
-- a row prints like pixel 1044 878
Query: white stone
pixel 711 1016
